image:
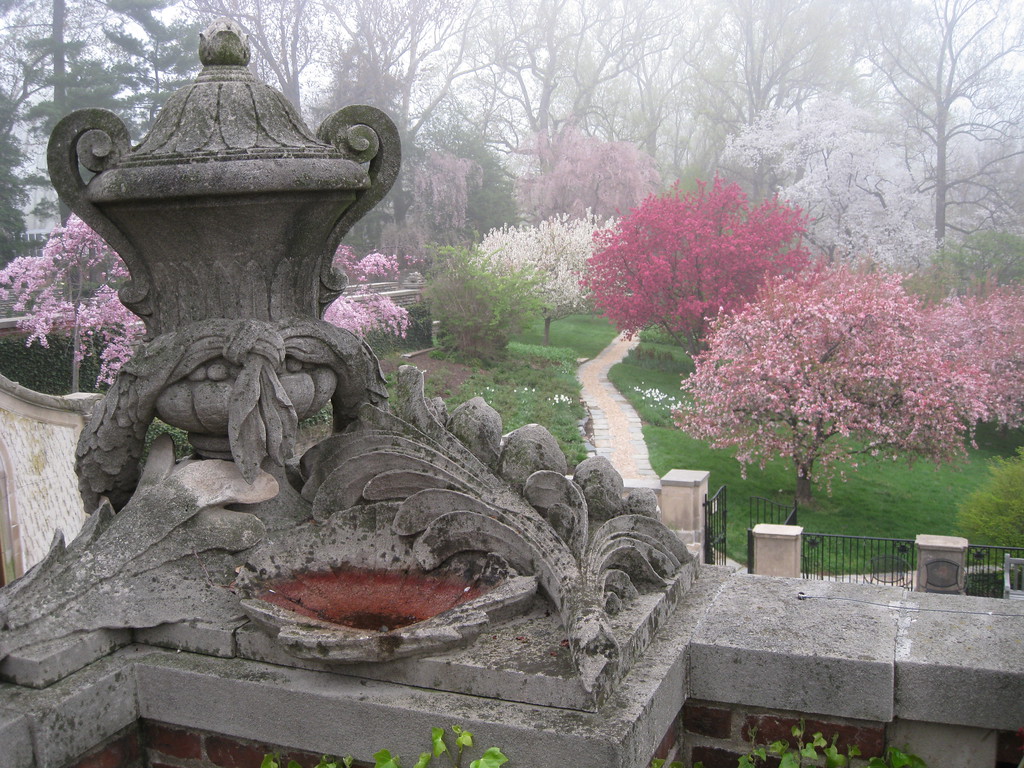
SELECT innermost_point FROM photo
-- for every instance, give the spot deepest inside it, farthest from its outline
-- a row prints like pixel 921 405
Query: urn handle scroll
pixel 97 140
pixel 365 135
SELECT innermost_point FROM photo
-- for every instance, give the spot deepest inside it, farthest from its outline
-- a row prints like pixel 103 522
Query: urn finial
pixel 223 43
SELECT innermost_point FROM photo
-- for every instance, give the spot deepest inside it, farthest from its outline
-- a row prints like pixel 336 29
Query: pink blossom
pixel 826 365
pixel 72 285
pixel 360 310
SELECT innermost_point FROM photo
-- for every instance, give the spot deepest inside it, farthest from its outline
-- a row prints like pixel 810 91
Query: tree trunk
pixel 75 363
pixel 60 79
pixel 803 483
pixel 547 331
pixel 941 187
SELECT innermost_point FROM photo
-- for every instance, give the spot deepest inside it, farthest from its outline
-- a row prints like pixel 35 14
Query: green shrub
pixel 419 335
pixel 994 514
pixel 45 369
pixel 478 310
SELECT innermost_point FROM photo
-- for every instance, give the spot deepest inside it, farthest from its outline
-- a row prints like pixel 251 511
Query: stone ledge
pixel 42 665
pixel 762 646
pixel 960 661
pixel 15 740
pixel 73 716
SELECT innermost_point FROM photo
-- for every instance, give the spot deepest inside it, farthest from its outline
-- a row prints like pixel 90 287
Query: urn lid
pixel 231 207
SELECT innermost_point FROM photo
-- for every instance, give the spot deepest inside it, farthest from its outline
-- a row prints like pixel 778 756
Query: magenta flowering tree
pixel 678 260
pixel 824 367
pixel 987 334
pixel 363 310
pixel 71 289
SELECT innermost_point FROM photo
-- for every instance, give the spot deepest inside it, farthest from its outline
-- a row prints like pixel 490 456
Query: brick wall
pixel 169 746
pixel 719 734
pixel 715 734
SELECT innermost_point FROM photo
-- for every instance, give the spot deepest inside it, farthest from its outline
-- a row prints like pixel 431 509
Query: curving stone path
pixel 617 431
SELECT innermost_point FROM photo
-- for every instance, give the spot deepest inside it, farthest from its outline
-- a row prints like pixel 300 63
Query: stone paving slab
pixel 618 432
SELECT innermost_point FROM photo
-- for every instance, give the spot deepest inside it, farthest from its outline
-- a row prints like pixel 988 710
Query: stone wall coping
pixel 860 652
pixel 685 477
pixel 68 410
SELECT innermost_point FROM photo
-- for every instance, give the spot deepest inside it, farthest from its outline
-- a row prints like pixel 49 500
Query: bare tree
pixel 766 55
pixel 955 71
pixel 548 63
pixel 402 56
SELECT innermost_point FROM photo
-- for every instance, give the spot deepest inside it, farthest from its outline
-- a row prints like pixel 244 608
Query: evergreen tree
pixel 155 64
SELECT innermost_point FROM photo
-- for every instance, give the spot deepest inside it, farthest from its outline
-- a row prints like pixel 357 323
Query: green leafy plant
pixel 273 761
pixel 815 748
pixel 440 744
pixel 659 763
pixel 478 309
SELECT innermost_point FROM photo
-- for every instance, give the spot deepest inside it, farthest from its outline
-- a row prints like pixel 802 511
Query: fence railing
pixel 762 510
pixel 715 511
pixel 984 566
pixel 858 559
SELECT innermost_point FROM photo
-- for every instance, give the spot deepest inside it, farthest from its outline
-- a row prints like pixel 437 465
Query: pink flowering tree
pixel 988 335
pixel 678 260
pixel 555 252
pixel 362 310
pixel 71 289
pixel 824 367
pixel 576 174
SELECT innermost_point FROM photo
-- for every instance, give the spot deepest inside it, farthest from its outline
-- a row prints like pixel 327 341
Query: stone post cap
pixel 930 541
pixel 778 531
pixel 685 477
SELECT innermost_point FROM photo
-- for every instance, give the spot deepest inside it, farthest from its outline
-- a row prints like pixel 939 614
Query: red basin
pixel 370 599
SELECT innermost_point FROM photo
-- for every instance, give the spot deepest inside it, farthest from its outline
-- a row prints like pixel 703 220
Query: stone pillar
pixel 682 503
pixel 941 564
pixel 777 550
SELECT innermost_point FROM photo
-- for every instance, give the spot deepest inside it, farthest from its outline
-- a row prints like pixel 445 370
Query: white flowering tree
pixel 838 163
pixel 556 252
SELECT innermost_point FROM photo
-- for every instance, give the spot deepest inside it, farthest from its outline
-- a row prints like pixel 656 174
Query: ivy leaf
pixel 833 759
pixel 437 739
pixel 270 761
pixel 790 760
pixel 383 759
pixel 424 761
pixel 465 739
pixel 492 758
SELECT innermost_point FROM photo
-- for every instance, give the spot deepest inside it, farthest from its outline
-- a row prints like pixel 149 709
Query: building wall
pixel 38 485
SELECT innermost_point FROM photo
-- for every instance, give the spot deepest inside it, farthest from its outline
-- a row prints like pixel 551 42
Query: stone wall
pixel 938 675
pixel 38 486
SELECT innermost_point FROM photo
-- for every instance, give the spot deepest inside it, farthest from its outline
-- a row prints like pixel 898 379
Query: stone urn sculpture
pixel 227 215
pixel 406 531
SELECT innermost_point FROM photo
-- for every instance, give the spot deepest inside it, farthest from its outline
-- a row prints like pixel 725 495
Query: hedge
pixel 45 369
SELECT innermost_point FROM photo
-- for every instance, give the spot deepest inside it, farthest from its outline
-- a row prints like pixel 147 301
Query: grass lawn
pixel 535 384
pixel 586 335
pixel 880 498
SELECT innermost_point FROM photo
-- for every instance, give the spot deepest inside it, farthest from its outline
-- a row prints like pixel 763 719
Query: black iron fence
pixel 715 510
pixel 762 510
pixel 984 567
pixel 858 559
